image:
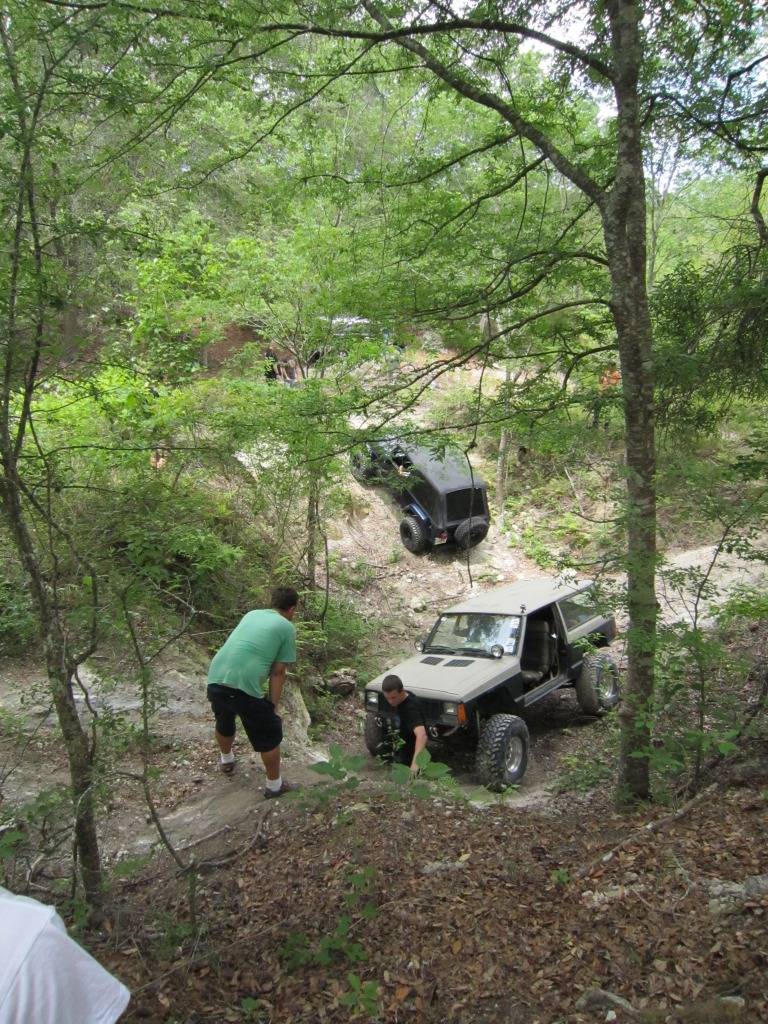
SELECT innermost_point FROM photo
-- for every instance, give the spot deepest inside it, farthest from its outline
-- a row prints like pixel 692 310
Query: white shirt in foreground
pixel 45 976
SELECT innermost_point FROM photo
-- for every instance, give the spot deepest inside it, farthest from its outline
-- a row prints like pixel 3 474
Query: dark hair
pixel 284 598
pixel 392 684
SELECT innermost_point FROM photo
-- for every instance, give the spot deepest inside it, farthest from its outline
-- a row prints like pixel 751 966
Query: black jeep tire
pixel 470 532
pixel 502 752
pixel 376 735
pixel 361 467
pixel 597 687
pixel 413 535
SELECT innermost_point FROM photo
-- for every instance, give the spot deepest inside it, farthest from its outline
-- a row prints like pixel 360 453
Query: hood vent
pixel 458 662
pixel 432 660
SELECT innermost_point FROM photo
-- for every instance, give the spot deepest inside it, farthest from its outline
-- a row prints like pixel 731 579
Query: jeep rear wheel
pixel 376 735
pixel 502 752
pixel 362 470
pixel 598 688
pixel 470 532
pixel 413 535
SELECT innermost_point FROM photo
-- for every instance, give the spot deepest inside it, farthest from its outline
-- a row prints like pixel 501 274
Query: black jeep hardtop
pixel 443 499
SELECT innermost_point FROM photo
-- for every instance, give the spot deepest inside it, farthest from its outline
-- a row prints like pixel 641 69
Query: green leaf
pixel 423 758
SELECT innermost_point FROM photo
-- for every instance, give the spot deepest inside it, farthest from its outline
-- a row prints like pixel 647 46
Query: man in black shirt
pixel 411 724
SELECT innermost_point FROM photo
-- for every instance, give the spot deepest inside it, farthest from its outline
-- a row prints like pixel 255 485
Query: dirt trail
pixel 391 585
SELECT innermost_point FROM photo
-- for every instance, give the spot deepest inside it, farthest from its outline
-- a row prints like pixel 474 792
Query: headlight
pixel 450 709
pixel 372 698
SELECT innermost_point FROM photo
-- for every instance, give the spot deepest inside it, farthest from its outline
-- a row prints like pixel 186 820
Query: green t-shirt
pixel 261 638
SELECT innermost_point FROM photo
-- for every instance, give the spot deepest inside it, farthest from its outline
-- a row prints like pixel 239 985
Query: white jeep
pixel 489 658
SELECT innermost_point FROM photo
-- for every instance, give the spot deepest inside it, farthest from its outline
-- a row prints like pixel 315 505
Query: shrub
pixel 18 625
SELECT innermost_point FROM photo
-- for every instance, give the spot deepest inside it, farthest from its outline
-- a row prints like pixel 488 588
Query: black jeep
pixel 443 500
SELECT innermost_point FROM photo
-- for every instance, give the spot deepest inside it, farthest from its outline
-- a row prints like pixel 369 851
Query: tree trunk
pixel 624 227
pixel 60 669
pixel 79 754
pixel 312 532
pixel 503 459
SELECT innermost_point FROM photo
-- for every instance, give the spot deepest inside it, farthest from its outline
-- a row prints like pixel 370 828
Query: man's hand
pixel 420 734
pixel 276 681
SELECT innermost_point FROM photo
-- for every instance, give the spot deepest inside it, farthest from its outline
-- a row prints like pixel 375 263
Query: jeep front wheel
pixel 376 735
pixel 597 688
pixel 413 535
pixel 470 532
pixel 502 752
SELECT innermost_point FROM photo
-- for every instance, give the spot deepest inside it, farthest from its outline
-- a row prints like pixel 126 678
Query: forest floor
pixel 369 904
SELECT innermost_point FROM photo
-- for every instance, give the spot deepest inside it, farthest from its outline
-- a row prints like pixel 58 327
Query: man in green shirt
pixel 245 681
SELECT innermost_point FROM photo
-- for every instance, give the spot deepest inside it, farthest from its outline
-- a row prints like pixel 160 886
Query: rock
pixel 313 681
pixel 728 897
pixel 434 867
pixel 418 604
pixel 601 897
pixel 295 716
pixel 599 999
pixel 342 682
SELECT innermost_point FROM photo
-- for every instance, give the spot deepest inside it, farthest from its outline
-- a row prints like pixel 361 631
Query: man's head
pixel 284 600
pixel 393 690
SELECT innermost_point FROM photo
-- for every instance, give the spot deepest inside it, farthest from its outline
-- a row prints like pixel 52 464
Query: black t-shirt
pixel 409 713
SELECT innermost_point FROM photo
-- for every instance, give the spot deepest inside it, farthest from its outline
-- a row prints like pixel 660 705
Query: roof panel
pixel 449 473
pixel 533 593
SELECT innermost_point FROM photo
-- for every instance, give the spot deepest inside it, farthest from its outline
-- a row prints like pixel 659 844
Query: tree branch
pixel 486 99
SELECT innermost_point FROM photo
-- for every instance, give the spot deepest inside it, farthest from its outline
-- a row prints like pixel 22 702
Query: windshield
pixel 474 633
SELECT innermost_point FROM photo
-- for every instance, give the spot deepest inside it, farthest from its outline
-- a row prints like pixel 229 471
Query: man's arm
pixel 276 681
pixel 420 734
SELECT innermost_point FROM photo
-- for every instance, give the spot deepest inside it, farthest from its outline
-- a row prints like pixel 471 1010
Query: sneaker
pixel 227 768
pixel 286 787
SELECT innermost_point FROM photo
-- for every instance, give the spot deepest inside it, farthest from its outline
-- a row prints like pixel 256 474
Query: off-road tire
pixel 597 687
pixel 376 735
pixel 361 467
pixel 470 532
pixel 502 752
pixel 413 535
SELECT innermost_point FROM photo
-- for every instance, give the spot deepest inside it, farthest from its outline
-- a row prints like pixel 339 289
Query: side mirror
pixel 420 646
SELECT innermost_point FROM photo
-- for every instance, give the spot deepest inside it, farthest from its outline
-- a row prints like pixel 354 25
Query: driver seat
pixel 536 659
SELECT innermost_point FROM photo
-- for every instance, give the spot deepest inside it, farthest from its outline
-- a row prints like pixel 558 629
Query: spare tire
pixel 413 535
pixel 598 688
pixel 470 532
